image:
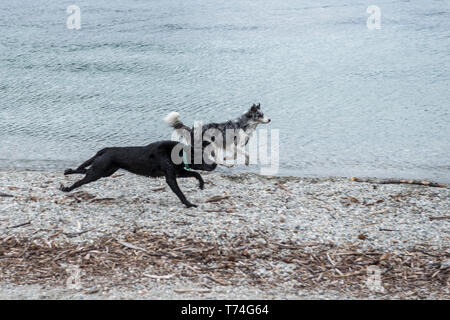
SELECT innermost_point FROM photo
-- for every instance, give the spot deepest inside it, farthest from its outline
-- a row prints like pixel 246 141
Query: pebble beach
pixel 251 237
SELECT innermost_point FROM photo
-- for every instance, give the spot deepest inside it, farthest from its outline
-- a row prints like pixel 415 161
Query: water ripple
pixel 346 100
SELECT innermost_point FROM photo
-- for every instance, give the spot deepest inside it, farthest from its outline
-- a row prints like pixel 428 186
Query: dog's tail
pixel 173 120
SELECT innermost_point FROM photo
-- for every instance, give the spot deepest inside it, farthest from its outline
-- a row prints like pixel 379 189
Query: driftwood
pixel 102 199
pixel 188 290
pixel 20 225
pixel 229 210
pixel 217 198
pixel 400 181
pixel 439 218
pixel 80 196
pixel 228 262
pixel 221 282
pixel 131 246
pixel 6 195
pixel 283 187
pixel 379 211
pixel 76 234
pixel 159 277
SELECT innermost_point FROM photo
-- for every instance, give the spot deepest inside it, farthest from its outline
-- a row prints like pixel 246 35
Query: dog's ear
pixel 253 108
pixel 258 106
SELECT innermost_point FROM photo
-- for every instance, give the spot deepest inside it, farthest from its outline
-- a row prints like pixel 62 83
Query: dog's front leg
pixel 220 161
pixel 172 182
pixel 192 174
pixel 245 153
pixel 241 150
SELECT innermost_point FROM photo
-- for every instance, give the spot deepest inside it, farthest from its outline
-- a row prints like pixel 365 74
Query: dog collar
pixel 185 161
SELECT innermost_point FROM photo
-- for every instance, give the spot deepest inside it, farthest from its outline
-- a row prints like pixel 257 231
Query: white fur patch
pixel 172 117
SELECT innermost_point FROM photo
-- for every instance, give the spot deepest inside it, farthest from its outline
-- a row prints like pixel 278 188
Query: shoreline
pixel 270 218
pixel 318 173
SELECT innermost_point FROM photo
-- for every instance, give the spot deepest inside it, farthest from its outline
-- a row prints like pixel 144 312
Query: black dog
pixel 154 160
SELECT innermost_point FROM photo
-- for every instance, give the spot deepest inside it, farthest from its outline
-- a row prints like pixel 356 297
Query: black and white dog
pixel 153 160
pixel 232 135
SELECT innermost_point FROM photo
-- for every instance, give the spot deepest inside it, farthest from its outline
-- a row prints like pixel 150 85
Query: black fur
pixel 153 160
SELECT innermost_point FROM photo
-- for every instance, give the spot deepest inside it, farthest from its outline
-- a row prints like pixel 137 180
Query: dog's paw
pixel 68 171
pixel 201 186
pixel 64 189
pixel 191 205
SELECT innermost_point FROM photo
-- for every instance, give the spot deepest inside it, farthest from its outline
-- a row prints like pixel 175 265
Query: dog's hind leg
pixel 192 174
pixel 99 169
pixel 78 170
pixel 90 177
pixel 172 182
pixel 82 168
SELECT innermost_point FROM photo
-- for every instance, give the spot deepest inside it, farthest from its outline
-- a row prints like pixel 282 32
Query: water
pixel 347 100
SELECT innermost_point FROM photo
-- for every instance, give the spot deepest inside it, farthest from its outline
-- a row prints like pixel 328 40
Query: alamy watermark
pixel 74 19
pixel 373 280
pixel 74 279
pixel 374 20
pixel 228 148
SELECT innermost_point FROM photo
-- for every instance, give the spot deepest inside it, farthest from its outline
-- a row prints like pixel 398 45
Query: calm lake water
pixel 346 100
